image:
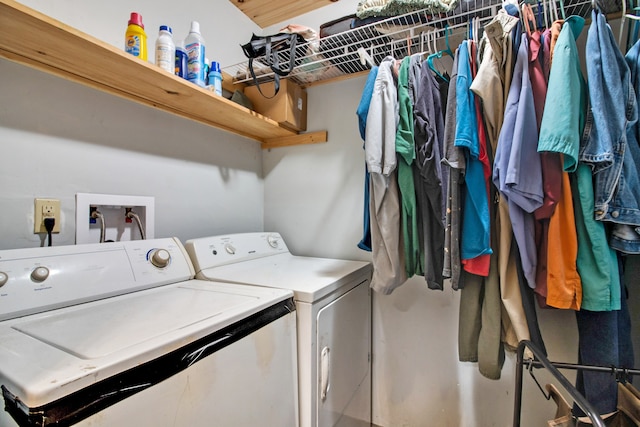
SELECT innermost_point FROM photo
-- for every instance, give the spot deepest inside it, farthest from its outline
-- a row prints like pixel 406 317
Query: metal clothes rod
pixel 578 398
pixel 576 366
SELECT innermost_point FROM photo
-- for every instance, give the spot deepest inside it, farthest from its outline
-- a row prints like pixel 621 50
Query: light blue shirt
pixel 475 239
pixel 517 170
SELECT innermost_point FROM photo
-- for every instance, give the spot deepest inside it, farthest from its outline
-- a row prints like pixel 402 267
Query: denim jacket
pixel 609 142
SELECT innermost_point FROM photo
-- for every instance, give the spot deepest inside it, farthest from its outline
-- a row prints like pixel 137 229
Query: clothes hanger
pixel 528 19
pixel 547 14
pixel 633 36
pixel 436 54
pixel 553 11
pixel 564 17
pixel 539 18
pixel 447 48
pixel 476 30
pixel 622 19
pixel 365 58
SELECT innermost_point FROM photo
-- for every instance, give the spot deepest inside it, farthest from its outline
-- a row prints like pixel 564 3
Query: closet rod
pixel 576 366
pixel 578 398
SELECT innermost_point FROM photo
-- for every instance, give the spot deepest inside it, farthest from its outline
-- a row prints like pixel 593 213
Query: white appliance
pixel 333 303
pixel 119 334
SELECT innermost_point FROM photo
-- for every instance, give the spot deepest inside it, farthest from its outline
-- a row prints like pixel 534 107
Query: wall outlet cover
pixel 46 208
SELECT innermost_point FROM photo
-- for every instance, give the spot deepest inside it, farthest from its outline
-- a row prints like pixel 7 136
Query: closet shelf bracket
pixel 301 139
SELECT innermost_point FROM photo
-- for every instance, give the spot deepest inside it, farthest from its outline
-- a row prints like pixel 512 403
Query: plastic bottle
pixel 206 72
pixel 181 61
pixel 135 37
pixel 215 78
pixel 165 50
pixel 194 47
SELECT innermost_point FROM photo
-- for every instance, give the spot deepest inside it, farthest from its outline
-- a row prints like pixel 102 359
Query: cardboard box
pixel 288 107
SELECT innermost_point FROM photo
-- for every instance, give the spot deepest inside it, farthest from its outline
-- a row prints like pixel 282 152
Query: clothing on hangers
pixel 405 147
pixel 431 178
pixel 453 159
pixel 362 111
pixel 560 132
pixel 380 155
pixel 613 114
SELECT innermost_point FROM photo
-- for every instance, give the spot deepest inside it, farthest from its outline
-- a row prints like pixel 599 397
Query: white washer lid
pixel 309 278
pixel 49 355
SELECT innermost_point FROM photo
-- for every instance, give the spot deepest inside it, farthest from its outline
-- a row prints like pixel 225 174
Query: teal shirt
pixel 564 108
pixel 561 131
pixel 405 147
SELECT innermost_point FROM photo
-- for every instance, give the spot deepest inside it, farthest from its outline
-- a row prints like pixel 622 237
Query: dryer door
pixel 344 367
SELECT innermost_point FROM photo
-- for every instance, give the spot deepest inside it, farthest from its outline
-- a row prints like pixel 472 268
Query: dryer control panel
pixel 214 251
pixel 34 280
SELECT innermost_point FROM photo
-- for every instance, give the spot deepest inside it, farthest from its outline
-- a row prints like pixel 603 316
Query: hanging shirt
pixel 516 171
pixel 492 85
pixel 384 207
pixel 454 161
pixel 624 237
pixel 361 112
pixel 597 262
pixel 429 136
pixel 481 264
pixel 560 131
pixel 613 113
pixel 406 154
pixel 551 163
pixel 494 74
pixel 475 222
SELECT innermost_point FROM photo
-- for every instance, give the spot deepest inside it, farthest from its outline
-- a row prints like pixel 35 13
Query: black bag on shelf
pixel 274 51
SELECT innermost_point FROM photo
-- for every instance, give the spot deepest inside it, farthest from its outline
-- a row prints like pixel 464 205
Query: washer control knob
pixel 231 250
pixel 160 258
pixel 273 240
pixel 40 274
pixel 3 278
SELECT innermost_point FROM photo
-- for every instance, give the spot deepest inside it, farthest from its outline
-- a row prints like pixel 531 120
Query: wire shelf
pixel 337 55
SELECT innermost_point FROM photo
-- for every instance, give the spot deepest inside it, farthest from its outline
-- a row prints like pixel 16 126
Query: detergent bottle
pixel 194 47
pixel 165 49
pixel 135 37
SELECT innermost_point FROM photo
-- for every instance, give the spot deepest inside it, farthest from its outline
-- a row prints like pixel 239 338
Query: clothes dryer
pixel 119 335
pixel 333 307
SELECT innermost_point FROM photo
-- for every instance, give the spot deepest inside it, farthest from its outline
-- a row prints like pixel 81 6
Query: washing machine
pixel 333 305
pixel 121 335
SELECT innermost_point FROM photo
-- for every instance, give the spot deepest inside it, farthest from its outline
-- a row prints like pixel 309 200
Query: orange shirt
pixel 564 288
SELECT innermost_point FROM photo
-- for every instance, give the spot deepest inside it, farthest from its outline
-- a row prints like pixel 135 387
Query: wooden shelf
pixel 269 12
pixel 36 40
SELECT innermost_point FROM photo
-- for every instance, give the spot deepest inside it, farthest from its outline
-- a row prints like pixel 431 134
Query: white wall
pixel 58 138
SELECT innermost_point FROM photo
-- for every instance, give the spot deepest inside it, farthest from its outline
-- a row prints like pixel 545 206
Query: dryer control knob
pixel 273 241
pixel 160 258
pixel 231 250
pixel 40 274
pixel 3 278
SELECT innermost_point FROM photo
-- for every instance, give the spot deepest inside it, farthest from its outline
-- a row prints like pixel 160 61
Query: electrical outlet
pixel 46 208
